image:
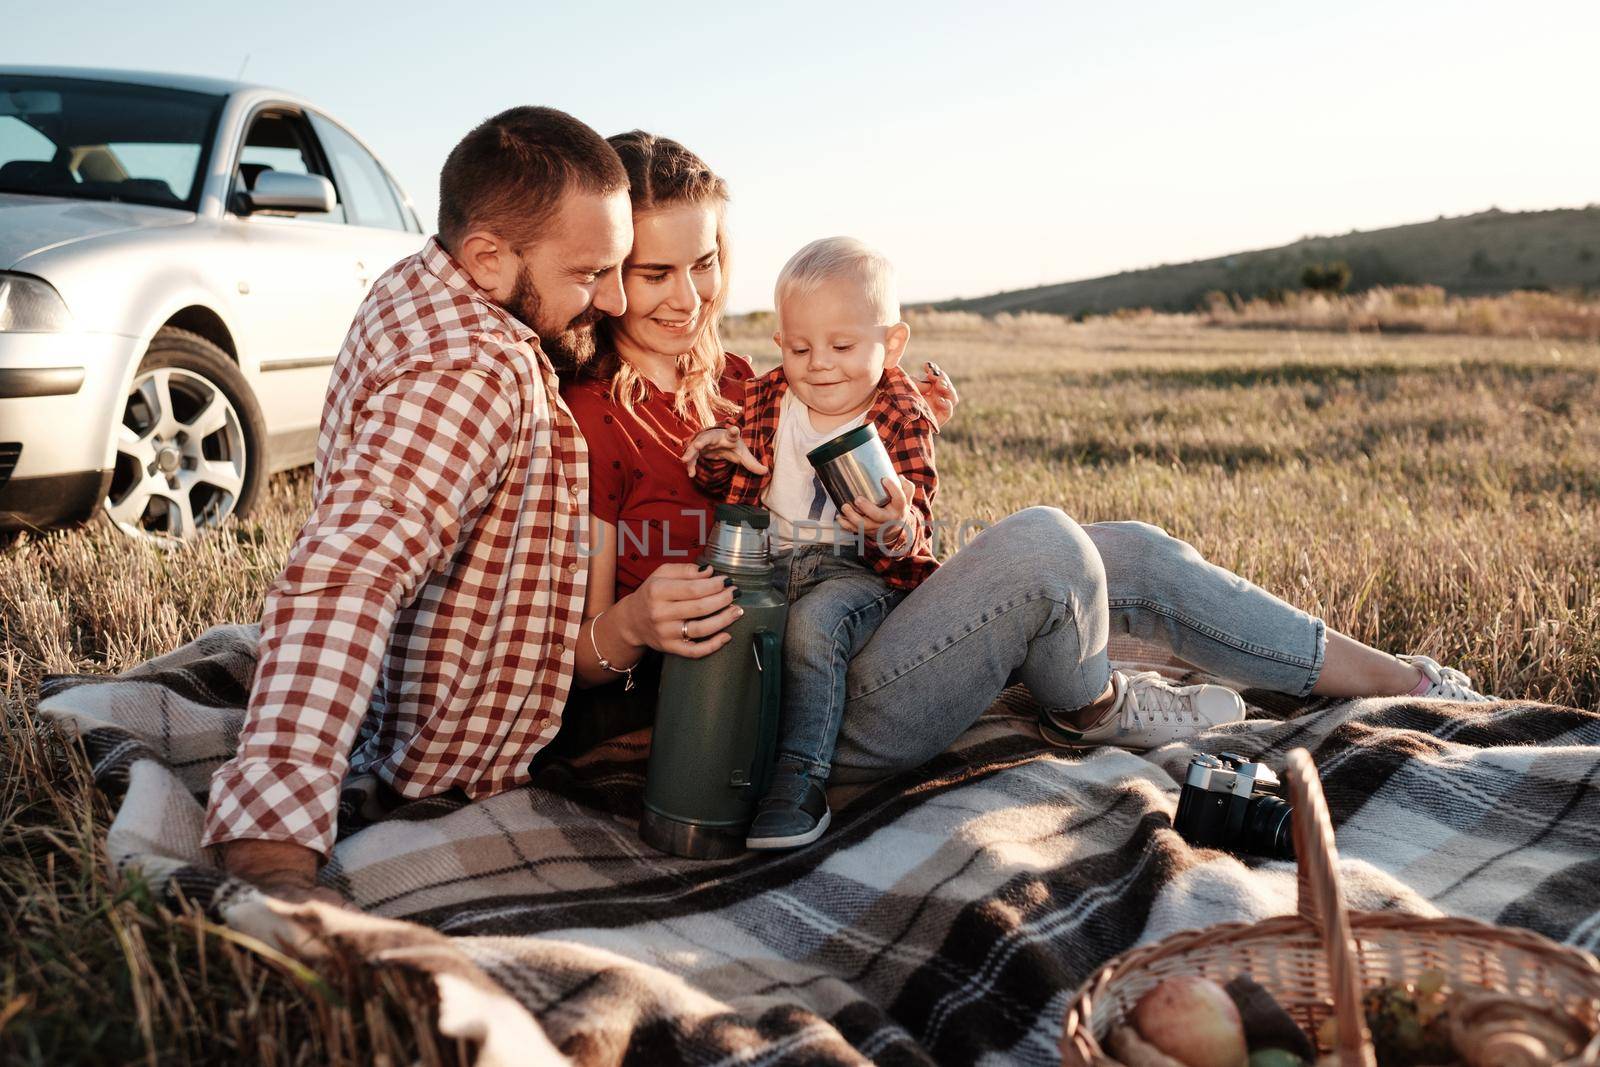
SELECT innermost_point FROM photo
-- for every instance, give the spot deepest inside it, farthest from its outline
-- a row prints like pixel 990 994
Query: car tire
pixel 191 447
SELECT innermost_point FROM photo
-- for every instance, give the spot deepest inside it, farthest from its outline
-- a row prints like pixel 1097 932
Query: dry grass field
pixel 1415 309
pixel 1426 493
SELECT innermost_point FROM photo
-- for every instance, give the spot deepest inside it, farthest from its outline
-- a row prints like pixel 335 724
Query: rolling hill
pixel 1490 252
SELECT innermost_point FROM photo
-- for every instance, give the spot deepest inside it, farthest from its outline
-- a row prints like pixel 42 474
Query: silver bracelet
pixel 626 672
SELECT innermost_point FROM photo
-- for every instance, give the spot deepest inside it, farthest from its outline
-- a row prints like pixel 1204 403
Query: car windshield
pixel 100 140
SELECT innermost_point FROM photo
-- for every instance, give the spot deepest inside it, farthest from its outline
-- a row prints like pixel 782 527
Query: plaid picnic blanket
pixel 946 917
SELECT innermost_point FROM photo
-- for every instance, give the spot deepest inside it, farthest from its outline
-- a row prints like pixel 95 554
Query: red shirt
pixel 636 479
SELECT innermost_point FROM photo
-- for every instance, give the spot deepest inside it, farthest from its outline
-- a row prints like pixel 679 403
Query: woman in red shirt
pixel 659 375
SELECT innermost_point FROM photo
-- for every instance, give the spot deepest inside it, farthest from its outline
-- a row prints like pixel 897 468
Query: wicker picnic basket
pixel 1317 963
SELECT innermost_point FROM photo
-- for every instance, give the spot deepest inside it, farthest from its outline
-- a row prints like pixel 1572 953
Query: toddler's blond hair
pixel 841 257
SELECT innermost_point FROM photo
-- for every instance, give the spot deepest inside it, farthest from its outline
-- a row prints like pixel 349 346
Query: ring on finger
pixel 686 629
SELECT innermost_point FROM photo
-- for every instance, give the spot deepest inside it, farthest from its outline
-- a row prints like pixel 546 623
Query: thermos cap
pixel 738 540
pixel 743 515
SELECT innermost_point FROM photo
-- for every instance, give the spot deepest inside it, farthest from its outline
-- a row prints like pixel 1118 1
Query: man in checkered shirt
pixel 427 623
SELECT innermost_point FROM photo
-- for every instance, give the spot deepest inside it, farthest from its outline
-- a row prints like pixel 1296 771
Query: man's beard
pixel 569 345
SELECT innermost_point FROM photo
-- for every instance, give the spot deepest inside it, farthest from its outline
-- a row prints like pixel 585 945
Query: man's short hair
pixel 510 173
pixel 841 257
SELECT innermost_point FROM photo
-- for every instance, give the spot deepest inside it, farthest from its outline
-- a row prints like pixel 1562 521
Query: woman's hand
pixel 941 396
pixel 681 609
pixel 721 442
pixel 863 516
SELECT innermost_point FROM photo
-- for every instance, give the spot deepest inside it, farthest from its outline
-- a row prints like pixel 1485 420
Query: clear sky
pixel 983 145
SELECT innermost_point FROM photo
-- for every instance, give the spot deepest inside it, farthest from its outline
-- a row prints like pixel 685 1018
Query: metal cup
pixel 853 464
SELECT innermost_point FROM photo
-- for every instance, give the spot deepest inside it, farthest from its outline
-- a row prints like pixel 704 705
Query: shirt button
pixel 572 568
pixel 560 648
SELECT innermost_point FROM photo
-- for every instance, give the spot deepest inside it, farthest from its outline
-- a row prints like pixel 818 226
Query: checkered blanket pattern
pixel 945 918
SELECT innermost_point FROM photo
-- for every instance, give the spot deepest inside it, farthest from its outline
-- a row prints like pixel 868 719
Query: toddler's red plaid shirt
pixel 905 424
pixel 432 600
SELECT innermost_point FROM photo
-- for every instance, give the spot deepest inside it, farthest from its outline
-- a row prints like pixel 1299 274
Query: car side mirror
pixel 277 191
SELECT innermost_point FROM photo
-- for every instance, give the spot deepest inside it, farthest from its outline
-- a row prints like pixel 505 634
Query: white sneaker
pixel 1147 712
pixel 1445 683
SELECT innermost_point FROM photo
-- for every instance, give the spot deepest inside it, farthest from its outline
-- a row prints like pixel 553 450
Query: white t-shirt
pixel 802 512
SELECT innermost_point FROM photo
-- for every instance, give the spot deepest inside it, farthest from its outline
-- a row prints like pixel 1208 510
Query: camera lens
pixel 1267 830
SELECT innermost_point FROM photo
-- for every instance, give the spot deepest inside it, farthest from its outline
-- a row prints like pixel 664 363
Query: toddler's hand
pixel 720 442
pixel 863 516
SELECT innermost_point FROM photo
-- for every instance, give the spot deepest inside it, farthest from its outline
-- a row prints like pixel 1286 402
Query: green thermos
pixel 716 727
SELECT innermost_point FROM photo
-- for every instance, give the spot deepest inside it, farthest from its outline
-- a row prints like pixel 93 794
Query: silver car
pixel 180 259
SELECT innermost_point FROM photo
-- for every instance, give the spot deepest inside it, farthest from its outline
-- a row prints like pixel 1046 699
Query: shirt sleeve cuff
pixel 272 800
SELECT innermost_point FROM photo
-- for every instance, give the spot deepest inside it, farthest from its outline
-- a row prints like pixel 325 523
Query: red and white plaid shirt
pixel 432 601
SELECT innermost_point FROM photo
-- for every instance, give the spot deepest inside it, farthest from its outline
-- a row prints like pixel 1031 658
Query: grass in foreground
pixel 1425 494
pixel 92 968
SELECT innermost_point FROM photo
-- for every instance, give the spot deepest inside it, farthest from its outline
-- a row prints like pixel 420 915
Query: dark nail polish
pixel 726 580
pixel 737 592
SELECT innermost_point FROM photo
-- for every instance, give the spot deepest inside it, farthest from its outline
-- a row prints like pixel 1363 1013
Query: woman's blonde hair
pixel 662 173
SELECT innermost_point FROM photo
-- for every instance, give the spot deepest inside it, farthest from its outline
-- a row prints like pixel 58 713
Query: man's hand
pixel 863 516
pixel 282 869
pixel 721 442
pixel 940 394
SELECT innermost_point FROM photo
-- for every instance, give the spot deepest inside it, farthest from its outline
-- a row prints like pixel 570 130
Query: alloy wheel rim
pixel 181 458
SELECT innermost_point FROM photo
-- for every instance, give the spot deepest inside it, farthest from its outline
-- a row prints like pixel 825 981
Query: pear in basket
pixel 1194 1021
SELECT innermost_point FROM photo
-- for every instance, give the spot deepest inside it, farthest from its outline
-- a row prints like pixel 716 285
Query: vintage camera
pixel 1233 804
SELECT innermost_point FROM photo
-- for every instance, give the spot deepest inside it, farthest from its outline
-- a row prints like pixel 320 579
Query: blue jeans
pixel 836 601
pixel 1034 599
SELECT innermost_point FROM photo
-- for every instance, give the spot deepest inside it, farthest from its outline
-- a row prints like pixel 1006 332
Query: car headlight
pixel 30 305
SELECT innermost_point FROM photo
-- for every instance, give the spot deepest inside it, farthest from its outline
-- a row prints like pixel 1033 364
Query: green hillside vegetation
pixel 1473 255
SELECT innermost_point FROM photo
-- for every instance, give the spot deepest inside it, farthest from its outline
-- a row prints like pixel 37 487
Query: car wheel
pixel 190 446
